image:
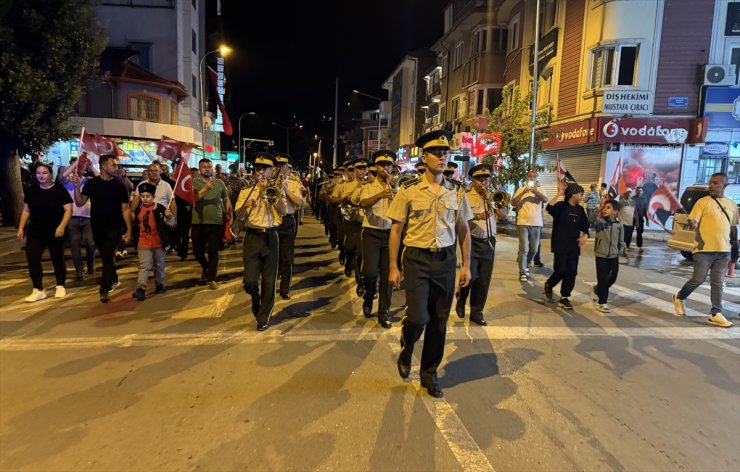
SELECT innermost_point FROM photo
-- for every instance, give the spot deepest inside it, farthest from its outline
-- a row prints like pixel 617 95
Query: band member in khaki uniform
pixel 288 227
pixel 260 252
pixel 435 211
pixel 354 224
pixel 341 191
pixel 375 199
pixel 450 170
pixel 482 243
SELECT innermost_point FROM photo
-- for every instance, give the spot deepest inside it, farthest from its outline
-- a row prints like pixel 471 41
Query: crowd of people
pixel 383 222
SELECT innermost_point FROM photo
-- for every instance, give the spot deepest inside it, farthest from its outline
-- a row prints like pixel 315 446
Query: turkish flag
pixel 663 203
pixel 563 174
pixel 168 148
pixel 184 181
pixel 99 145
pixel 82 161
pixel 228 129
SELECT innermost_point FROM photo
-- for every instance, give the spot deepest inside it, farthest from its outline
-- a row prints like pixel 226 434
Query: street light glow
pixel 224 50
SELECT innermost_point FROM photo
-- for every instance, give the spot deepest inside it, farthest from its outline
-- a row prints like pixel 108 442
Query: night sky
pixel 287 55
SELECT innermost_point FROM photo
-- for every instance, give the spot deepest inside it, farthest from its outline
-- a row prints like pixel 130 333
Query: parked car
pixel 683 235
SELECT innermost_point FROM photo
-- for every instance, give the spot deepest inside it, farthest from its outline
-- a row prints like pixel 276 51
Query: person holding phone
pixel 528 201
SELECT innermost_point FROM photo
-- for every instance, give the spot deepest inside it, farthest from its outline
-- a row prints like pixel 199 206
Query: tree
pixel 513 121
pixel 49 53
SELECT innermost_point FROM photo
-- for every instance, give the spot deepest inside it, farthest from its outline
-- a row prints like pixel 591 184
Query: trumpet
pixel 500 199
pixel 271 192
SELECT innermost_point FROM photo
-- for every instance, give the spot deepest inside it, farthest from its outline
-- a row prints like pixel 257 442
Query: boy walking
pixel 152 223
pixel 608 244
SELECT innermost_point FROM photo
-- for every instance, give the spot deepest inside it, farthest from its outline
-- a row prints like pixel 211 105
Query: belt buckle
pixel 434 249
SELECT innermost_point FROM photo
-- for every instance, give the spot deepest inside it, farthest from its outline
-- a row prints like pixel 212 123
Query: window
pixel 194 90
pixel 144 56
pixel 480 42
pixel 442 114
pixel 707 167
pixel 548 16
pixel 195 42
pixel 499 39
pixel 174 118
pixel 544 92
pixel 455 105
pixel 471 103
pixel 457 56
pixel 143 108
pixel 494 97
pixel 733 172
pixel 735 60
pixel 448 18
pixel 479 103
pixel 614 65
pixel 514 34
pixel 372 135
pixel 445 64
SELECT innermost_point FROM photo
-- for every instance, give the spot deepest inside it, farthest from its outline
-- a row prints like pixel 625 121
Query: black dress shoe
pixel 480 322
pixel 348 272
pixel 460 310
pixel 432 389
pixel 385 323
pixel 367 308
pixel 261 326
pixel 285 296
pixel 360 290
pixel 404 370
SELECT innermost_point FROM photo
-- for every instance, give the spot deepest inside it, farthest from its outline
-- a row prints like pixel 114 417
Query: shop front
pixel 721 152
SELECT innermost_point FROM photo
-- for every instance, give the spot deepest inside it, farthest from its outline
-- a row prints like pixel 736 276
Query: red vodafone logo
pixel 610 129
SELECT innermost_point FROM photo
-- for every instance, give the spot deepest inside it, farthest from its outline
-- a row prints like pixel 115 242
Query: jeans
pixel 80 235
pixel 529 242
pixel 607 270
pixel 150 258
pixel 35 249
pixel 640 227
pixel 628 235
pixel 704 262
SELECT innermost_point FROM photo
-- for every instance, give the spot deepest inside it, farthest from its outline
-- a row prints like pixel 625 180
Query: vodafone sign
pixel 574 133
pixel 651 130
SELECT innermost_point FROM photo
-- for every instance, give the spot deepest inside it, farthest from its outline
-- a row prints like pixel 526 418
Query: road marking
pixel 699 297
pixel 353 333
pixel 462 445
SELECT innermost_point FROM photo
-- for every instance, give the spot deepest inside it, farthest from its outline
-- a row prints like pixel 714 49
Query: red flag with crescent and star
pixel 182 175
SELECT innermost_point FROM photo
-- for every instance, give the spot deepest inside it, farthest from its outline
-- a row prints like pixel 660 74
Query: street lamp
pixel 287 133
pixel 380 102
pixel 224 51
pixel 239 126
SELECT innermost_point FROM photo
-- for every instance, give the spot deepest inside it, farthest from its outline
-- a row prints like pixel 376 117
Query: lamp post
pixel 239 126
pixel 287 133
pixel 225 51
pixel 380 102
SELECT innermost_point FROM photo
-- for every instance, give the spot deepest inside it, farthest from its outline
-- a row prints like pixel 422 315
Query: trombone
pixel 270 194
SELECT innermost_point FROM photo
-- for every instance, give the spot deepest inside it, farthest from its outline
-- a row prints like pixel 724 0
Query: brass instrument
pixel 348 209
pixel 500 199
pixel 271 192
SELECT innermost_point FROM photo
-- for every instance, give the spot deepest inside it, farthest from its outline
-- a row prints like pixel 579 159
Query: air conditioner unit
pixel 719 74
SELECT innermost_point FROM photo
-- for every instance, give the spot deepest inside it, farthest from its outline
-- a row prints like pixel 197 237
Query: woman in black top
pixel 47 209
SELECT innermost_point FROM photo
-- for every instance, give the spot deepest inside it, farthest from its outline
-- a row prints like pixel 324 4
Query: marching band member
pixel 265 207
pixel 450 170
pixel 482 245
pixel 289 226
pixel 354 224
pixel 375 199
pixel 342 191
pixel 435 211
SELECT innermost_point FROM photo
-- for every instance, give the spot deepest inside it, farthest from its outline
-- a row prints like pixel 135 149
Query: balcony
pixel 434 91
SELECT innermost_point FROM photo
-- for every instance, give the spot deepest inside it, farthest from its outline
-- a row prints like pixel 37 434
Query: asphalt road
pixel 183 381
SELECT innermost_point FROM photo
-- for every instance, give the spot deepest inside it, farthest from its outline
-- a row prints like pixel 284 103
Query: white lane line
pixel 651 301
pixel 462 445
pixel 353 333
pixel 699 297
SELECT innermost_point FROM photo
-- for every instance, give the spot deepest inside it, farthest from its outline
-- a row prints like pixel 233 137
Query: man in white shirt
pixel 712 217
pixel 528 202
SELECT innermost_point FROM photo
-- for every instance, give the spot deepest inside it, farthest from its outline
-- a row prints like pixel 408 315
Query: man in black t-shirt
pixel 109 212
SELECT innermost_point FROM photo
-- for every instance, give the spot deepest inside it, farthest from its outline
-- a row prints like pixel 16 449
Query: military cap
pixel 481 170
pixel 349 165
pixel 421 166
pixel 263 159
pixel 384 157
pixel 360 163
pixel 451 168
pixel 435 139
pixel 282 158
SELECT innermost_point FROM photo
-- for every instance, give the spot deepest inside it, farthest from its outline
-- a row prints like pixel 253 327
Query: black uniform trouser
pixel 353 248
pixel 34 251
pixel 341 231
pixel 206 242
pixel 375 262
pixel 430 284
pixel 628 235
pixel 106 240
pixel 607 270
pixel 286 235
pixel 331 217
pixel 565 269
pixel 182 230
pixel 260 257
pixel 640 227
pixel 481 268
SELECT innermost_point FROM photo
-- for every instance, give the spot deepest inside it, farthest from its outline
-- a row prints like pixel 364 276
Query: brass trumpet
pixel 271 192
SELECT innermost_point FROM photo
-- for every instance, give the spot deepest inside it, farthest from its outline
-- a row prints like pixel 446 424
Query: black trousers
pixel 341 231
pixel 565 269
pixel 106 240
pixel 376 263
pixel 640 227
pixel 607 270
pixel 481 268
pixel 260 257
pixel 353 248
pixel 182 230
pixel 628 235
pixel 206 242
pixel 34 251
pixel 286 235
pixel 430 285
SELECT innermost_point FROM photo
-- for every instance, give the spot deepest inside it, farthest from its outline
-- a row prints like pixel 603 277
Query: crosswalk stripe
pixel 699 297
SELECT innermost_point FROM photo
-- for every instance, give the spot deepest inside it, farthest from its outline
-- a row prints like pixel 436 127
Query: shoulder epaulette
pixel 410 183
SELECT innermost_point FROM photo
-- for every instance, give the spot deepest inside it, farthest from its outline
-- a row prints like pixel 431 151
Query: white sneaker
pixel 718 320
pixel 526 271
pixel 124 253
pixel 60 292
pixel 604 308
pixel 523 278
pixel 114 286
pixel 119 255
pixel 678 305
pixel 36 295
